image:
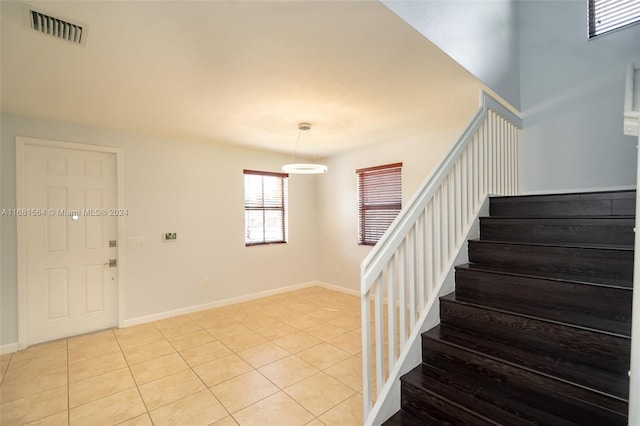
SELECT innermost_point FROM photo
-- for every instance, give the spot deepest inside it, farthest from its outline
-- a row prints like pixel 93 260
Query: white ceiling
pixel 242 72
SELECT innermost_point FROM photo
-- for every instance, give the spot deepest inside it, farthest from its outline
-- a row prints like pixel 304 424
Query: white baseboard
pixel 13 347
pixel 225 302
pixel 8 348
pixel 348 291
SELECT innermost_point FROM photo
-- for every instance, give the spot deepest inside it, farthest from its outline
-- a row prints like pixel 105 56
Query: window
pixel 379 200
pixel 609 15
pixel 265 207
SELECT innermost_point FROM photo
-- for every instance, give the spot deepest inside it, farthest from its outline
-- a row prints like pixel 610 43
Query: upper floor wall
pixel 569 89
pixel 482 36
pixel 572 100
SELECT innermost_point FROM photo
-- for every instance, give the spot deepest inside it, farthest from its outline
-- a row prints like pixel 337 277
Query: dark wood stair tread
pixel 567 321
pixel 515 386
pixel 597 261
pixel 564 245
pixel 556 218
pixel 608 203
pixel 538 329
pixel 575 343
pixel 492 401
pixel 606 230
pixel 464 393
pixel 569 196
pixel 550 275
pixel 553 313
pixel 404 418
pixel 586 376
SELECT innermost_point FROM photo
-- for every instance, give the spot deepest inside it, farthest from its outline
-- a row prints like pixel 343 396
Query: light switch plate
pixel 136 241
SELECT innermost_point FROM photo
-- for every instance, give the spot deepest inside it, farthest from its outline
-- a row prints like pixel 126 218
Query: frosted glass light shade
pixel 305 168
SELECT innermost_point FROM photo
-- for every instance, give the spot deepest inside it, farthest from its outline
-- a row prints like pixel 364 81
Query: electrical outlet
pixel 205 283
pixel 170 236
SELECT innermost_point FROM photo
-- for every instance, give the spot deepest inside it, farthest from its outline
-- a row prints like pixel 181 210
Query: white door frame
pixel 21 143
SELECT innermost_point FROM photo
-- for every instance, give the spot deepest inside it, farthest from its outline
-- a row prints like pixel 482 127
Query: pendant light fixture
pixel 303 168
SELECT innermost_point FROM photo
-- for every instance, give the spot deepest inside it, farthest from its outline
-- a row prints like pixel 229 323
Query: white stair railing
pixel 631 128
pixel 402 275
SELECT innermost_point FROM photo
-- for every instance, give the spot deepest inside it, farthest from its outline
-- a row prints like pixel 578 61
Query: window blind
pixel 379 200
pixel 609 15
pixel 265 207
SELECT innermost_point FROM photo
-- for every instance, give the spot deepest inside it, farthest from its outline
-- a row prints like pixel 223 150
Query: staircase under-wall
pixel 538 329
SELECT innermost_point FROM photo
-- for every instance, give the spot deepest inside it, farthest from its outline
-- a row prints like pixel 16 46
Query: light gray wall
pixel 482 36
pixel 192 188
pixel 572 92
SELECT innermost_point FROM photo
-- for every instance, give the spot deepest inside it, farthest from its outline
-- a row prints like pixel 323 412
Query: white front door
pixel 70 228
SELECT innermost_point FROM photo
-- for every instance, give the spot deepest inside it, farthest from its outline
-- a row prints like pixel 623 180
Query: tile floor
pixel 290 359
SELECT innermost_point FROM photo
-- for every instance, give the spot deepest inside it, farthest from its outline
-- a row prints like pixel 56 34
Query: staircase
pixel 538 328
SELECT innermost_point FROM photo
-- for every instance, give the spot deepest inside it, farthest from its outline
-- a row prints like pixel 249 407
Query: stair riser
pixel 588 204
pixel 616 384
pixel 550 231
pixel 609 304
pixel 480 397
pixel 537 330
pixel 404 418
pixel 570 400
pixel 435 410
pixel 574 344
pixel 569 260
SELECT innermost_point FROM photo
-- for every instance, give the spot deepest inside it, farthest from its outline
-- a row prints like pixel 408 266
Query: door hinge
pixel 112 263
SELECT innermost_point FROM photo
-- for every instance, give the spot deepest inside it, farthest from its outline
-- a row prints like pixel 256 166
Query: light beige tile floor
pixel 290 359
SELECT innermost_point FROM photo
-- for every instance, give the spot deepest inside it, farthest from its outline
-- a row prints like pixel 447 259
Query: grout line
pixel 317 305
pixel 196 374
pixel 283 389
pixel 134 381
pixel 4 373
pixel 68 385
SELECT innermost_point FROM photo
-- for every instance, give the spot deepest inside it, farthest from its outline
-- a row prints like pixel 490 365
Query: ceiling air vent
pixel 55 27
